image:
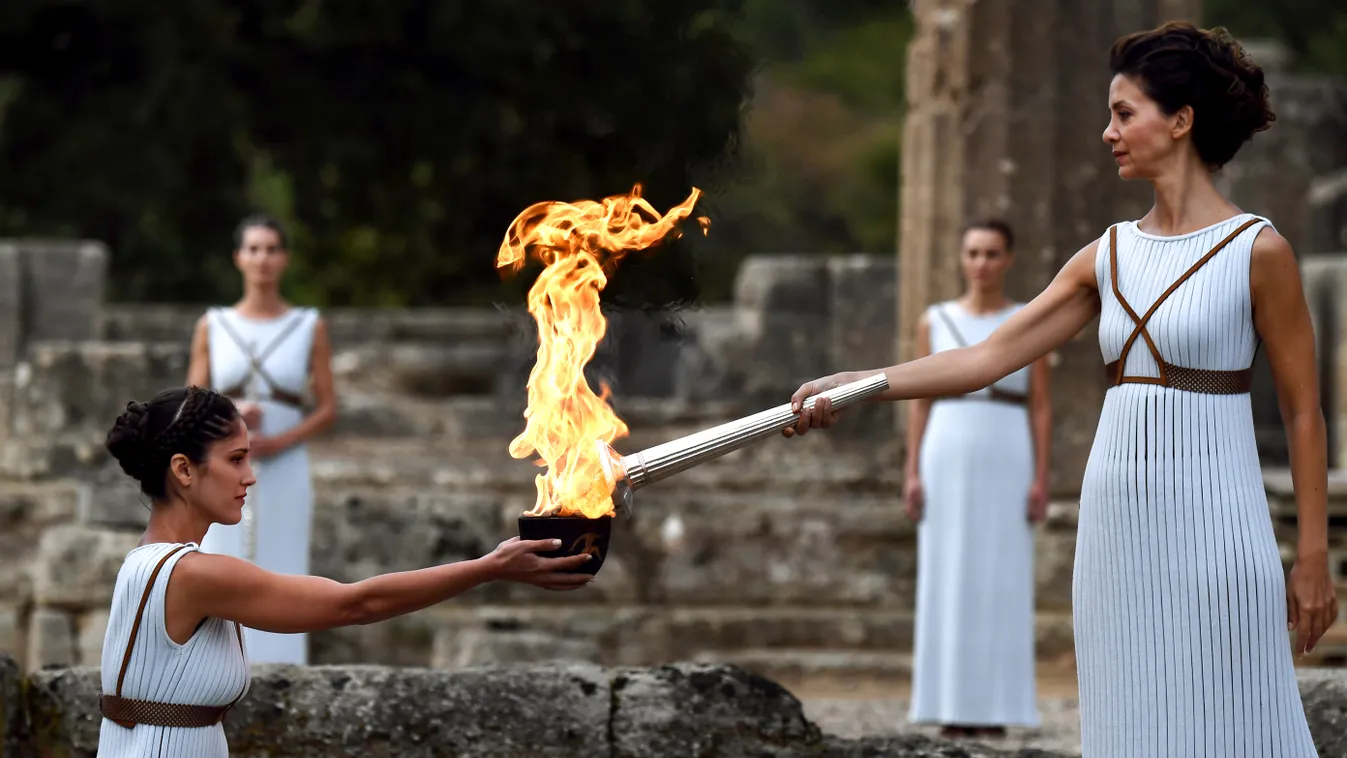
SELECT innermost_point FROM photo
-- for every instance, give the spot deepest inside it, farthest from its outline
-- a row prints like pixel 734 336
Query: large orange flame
pixel 579 244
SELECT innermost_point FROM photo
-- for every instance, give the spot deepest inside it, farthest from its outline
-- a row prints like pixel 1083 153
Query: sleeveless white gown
pixel 210 669
pixel 973 660
pixel 1178 594
pixel 275 532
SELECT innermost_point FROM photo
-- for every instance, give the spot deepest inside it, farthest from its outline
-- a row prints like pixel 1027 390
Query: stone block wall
pixel 544 711
pixel 788 557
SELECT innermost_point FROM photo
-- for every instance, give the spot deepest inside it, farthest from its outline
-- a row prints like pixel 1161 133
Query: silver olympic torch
pixel 628 473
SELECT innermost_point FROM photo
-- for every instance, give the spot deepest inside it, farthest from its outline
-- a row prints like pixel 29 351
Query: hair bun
pixel 127 439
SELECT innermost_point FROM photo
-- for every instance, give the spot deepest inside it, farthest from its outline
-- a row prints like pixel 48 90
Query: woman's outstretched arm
pixel 219 586
pixel 1059 313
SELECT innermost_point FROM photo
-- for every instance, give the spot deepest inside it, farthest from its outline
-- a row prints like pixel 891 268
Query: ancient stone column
pixel 1007 104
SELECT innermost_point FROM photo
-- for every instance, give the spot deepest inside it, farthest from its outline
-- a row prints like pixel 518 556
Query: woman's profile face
pixel 984 258
pixel 261 258
pixel 221 482
pixel 1140 135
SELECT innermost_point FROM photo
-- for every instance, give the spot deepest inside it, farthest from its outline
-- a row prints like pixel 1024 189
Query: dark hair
pixel 181 420
pixel 262 220
pixel 993 224
pixel 1178 64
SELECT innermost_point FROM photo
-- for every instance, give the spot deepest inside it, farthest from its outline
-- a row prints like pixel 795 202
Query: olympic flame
pixel 579 244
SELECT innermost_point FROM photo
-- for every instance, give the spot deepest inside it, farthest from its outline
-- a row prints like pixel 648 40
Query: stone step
pixel 817 463
pixel 798 669
pixel 464 418
pixel 173 323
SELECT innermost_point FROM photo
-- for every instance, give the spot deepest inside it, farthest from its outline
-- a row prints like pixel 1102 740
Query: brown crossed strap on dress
pixel 128 712
pixel 1206 381
pixel 278 394
pixel 995 394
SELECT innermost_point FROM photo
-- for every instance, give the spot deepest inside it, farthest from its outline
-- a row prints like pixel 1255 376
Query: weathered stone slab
pixel 742 550
pixel 783 310
pixel 154 322
pixel 11 708
pixel 11 307
pixel 420 370
pixel 65 282
pixel 1324 694
pixel 709 367
pixel 916 746
pixel 864 331
pixel 84 386
pixel 372 531
pixel 26 509
pixel 322 712
pixel 76 566
pixel 51 639
pixel 535 710
pixel 12 635
pixel 691 709
pixel 462 648
pixel 90 629
pixel 113 500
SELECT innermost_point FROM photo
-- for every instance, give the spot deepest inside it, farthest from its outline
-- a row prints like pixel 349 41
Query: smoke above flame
pixel 579 244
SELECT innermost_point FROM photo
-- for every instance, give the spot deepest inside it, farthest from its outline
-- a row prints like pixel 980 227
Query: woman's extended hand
pixel 260 448
pixel 1311 603
pixel 822 414
pixel 1038 502
pixel 914 498
pixel 516 560
pixel 251 413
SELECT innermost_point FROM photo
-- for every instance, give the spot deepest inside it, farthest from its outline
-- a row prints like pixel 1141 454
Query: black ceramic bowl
pixel 577 534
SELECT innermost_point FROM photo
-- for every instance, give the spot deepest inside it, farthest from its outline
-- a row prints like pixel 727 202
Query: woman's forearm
pixel 948 372
pixel 321 418
pixel 1042 430
pixel 1308 446
pixel 918 414
pixel 389 595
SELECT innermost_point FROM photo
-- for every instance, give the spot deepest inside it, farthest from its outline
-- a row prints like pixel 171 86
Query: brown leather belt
pixel 1204 381
pixel 994 395
pixel 277 396
pixel 128 713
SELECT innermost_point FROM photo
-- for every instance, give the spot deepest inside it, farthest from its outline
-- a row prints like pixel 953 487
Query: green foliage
pixel 1314 31
pixel 397 138
pixel 820 165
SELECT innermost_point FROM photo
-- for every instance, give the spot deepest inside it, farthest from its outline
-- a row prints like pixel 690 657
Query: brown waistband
pixel 1203 381
pixel 994 395
pixel 277 396
pixel 128 713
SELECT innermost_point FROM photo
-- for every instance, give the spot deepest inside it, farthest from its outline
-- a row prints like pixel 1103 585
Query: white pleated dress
pixel 210 669
pixel 276 531
pixel 1179 593
pixel 973 660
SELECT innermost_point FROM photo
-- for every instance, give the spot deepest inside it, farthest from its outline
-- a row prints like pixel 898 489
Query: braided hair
pixel 181 420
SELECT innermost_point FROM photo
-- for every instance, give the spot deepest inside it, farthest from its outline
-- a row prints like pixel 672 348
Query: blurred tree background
pixel 397 139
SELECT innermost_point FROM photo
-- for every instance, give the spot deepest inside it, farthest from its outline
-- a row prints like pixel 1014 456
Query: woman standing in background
pixel 976 482
pixel 267 355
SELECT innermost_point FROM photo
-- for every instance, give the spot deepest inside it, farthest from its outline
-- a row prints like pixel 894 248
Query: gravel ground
pixel 845 717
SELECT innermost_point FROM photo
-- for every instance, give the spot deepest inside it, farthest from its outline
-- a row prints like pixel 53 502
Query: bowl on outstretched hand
pixel 577 534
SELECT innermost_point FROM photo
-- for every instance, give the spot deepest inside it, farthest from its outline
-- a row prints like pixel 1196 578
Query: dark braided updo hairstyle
pixel 183 420
pixel 1178 64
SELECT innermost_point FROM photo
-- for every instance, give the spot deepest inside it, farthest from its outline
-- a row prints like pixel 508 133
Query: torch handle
pixel 664 460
